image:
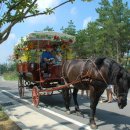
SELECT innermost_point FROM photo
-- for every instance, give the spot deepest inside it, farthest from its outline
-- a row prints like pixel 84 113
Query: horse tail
pixel 99 62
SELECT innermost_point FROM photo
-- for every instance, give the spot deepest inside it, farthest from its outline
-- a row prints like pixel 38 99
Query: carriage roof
pixel 48 37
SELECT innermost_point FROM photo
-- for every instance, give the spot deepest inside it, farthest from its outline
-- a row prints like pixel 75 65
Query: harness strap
pixel 81 77
pixel 100 73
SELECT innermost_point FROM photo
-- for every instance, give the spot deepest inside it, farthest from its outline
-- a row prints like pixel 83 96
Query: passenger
pixel 58 57
pixel 47 58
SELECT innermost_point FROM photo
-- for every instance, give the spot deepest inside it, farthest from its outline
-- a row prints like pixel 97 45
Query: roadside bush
pixel 10 75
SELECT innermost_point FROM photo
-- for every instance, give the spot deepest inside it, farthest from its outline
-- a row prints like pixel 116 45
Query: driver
pixel 47 58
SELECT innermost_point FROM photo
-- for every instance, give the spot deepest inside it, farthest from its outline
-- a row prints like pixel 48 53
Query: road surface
pixel 110 117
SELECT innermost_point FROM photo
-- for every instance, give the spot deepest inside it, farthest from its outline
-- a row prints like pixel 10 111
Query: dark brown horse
pixel 95 75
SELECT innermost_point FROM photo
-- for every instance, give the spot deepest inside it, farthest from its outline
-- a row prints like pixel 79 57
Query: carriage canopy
pixel 30 46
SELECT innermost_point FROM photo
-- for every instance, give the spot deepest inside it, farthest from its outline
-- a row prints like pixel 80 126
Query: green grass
pixel 11 75
pixel 3 116
pixel 6 123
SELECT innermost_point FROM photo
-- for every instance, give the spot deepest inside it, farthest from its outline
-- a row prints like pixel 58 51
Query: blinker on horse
pixel 95 74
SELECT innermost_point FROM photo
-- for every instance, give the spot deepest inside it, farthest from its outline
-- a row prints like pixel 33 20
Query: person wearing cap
pixel 47 58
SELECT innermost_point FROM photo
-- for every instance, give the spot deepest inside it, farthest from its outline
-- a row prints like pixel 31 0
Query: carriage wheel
pixel 35 96
pixel 21 86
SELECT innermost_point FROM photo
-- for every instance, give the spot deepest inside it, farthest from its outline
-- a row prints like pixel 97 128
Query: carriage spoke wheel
pixel 35 96
pixel 21 86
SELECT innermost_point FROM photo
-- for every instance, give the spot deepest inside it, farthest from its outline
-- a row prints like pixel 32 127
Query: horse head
pixel 123 85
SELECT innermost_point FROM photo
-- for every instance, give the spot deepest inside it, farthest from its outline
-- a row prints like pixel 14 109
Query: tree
pixel 114 23
pixel 3 68
pixel 47 28
pixel 71 29
pixel 109 34
pixel 15 11
pixel 87 41
pixel 80 45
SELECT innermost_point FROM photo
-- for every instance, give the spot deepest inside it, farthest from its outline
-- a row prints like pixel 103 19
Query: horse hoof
pixel 80 114
pixel 95 118
pixel 68 112
pixel 93 126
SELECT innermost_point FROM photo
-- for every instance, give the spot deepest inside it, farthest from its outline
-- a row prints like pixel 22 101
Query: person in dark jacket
pixel 47 58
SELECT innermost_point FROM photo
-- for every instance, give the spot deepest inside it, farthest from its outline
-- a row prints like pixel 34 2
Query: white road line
pixel 68 119
pixel 87 127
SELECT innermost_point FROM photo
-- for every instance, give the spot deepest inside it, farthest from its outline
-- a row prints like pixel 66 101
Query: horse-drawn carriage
pixel 95 74
pixel 31 74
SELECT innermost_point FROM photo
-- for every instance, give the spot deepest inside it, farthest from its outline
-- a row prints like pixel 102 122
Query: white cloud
pixel 86 21
pixel 73 11
pixel 6 48
pixel 43 19
pixel 43 4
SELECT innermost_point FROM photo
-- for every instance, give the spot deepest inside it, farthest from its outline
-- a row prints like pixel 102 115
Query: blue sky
pixel 79 12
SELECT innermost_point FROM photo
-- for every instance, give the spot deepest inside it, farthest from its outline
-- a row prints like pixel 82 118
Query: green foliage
pixel 0 108
pixel 49 11
pixel 15 11
pixel 10 75
pixel 3 68
pixel 70 29
pixel 108 35
pixel 8 71
pixel 47 28
pixel 115 26
pixel 3 116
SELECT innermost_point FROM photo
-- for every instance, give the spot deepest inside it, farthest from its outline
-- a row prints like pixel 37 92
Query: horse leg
pixel 75 91
pixel 94 98
pixel 66 93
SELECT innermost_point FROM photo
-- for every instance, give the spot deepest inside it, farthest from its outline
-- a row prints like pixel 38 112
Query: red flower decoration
pixel 56 37
pixel 70 40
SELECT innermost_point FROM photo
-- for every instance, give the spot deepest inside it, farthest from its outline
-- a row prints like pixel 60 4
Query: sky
pixel 79 12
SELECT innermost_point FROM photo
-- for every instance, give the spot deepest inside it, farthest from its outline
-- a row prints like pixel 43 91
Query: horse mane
pixel 116 71
pixel 99 61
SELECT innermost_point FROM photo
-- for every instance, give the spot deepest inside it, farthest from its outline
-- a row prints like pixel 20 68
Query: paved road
pixel 110 117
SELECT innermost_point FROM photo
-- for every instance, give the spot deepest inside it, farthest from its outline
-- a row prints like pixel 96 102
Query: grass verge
pixel 6 123
pixel 11 75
